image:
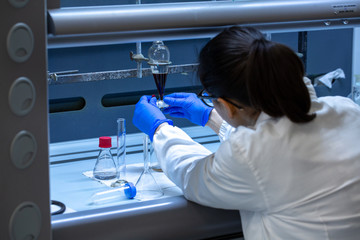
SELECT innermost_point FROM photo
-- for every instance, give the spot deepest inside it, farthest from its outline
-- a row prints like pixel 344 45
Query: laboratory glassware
pixel 146 185
pixel 120 152
pixel 159 60
pixel 105 168
pixel 154 164
pixel 124 191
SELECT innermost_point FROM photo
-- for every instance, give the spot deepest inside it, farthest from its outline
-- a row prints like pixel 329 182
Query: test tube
pixel 121 149
pixel 125 191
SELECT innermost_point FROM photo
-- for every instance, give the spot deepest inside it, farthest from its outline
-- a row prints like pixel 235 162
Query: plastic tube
pixel 126 191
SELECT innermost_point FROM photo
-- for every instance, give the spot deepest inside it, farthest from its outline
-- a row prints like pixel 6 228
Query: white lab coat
pixel 289 181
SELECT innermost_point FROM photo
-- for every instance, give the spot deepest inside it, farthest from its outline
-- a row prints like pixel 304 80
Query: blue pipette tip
pixel 130 190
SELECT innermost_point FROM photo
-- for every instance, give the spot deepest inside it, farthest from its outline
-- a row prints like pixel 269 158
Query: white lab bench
pixel 168 217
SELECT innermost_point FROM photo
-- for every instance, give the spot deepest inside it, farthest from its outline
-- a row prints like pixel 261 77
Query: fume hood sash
pixel 145 17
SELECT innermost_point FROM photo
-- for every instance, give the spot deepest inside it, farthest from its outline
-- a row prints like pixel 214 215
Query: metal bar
pixel 105 19
pixel 189 33
pixel 119 74
pixel 302 47
pixel 138 51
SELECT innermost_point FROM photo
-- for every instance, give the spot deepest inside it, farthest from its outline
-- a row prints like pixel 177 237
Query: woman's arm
pixel 215 121
pixel 219 180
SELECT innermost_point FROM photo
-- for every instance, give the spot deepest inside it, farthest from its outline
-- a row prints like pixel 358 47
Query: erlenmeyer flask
pixel 105 168
pixel 146 186
pixel 154 164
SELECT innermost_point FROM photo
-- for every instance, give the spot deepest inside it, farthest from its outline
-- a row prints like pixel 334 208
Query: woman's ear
pixel 229 108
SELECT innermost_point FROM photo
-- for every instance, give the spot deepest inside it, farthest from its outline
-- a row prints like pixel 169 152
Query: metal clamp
pixel 138 57
pixel 53 77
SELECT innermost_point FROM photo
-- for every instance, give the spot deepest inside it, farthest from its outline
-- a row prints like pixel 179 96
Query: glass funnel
pixel 159 56
pixel 146 186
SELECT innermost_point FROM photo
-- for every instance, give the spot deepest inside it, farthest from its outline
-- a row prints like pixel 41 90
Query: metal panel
pixel 51 4
pixel 24 170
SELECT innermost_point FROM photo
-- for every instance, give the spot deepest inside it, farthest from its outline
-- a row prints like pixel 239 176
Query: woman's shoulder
pixel 339 101
pixel 337 107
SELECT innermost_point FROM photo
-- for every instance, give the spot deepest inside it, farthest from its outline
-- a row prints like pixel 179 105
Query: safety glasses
pixel 207 99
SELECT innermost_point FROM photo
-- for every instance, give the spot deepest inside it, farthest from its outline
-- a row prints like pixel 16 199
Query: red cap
pixel 105 142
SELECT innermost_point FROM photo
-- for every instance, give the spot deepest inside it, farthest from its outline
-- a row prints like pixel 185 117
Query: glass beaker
pixel 120 152
pixel 146 185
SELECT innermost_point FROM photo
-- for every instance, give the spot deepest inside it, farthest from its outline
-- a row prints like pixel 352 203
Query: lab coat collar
pixel 262 118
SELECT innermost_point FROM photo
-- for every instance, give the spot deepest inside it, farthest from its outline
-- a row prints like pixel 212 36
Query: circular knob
pixel 23 149
pixel 18 3
pixel 20 42
pixel 22 96
pixel 25 222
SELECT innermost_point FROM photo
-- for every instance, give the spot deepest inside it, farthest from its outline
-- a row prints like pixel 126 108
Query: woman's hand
pixel 187 105
pixel 148 117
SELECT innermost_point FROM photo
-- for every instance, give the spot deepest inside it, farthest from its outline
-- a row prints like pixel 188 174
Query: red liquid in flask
pixel 160 80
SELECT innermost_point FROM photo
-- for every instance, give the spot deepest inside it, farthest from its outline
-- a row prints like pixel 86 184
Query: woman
pixel 288 161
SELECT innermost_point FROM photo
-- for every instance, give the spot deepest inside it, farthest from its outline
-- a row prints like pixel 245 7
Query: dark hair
pixel 241 64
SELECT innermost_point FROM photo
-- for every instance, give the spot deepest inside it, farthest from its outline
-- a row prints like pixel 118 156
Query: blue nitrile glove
pixel 148 117
pixel 187 105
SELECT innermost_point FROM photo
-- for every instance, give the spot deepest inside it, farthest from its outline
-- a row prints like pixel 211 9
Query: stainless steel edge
pixel 168 218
